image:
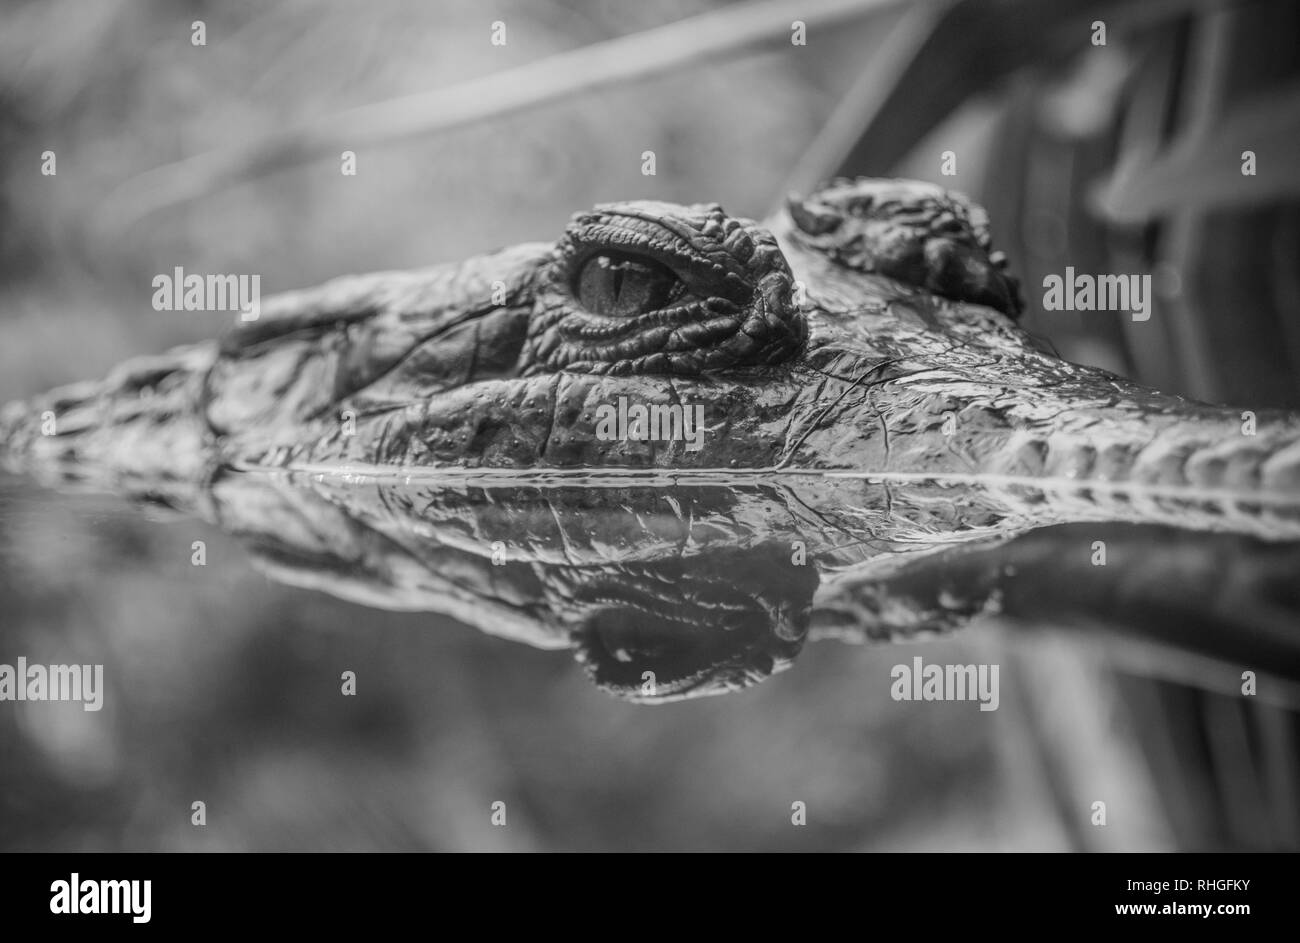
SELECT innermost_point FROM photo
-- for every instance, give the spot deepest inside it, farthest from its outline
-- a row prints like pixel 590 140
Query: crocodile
pixel 883 451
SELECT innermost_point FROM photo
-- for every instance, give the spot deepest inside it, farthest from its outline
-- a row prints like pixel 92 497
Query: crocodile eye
pixel 622 286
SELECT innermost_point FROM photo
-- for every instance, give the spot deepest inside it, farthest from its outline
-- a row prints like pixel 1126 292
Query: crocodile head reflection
pixel 736 435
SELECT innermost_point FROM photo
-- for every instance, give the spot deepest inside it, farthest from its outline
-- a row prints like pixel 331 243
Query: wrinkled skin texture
pixel 870 410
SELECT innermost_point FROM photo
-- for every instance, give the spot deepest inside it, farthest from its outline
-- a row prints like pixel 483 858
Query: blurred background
pixel 1119 156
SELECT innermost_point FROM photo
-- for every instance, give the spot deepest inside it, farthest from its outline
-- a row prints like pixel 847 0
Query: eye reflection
pixel 618 285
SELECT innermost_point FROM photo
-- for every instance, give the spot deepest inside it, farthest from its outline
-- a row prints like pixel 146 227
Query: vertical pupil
pixel 618 268
pixel 619 286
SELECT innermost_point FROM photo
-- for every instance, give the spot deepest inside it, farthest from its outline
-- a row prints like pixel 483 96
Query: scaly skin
pixel 867 332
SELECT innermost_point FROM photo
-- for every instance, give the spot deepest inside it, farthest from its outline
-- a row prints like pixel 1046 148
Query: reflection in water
pixel 664 591
pixel 660 595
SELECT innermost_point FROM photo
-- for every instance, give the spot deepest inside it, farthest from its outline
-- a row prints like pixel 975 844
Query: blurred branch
pixel 1201 169
pixel 601 65
pixel 949 53
pixel 960 50
pixel 869 93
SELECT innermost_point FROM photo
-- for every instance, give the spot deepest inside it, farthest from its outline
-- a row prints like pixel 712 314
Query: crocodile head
pixel 868 329
pixel 847 380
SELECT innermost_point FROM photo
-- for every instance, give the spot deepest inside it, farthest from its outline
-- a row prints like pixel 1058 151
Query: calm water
pixel 229 635
pixel 224 686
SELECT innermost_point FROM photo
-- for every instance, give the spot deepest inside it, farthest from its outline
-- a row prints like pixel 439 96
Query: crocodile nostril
pixel 810 219
pixel 915 233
